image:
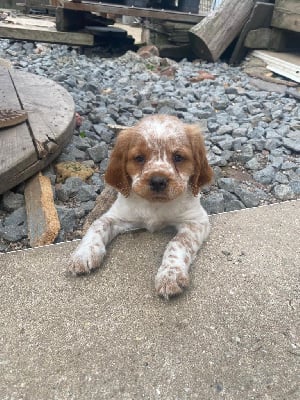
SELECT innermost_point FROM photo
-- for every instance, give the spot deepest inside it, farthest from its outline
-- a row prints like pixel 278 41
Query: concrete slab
pixel 233 335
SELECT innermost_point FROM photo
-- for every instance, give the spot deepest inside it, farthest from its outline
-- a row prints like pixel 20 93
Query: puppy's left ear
pixel 203 173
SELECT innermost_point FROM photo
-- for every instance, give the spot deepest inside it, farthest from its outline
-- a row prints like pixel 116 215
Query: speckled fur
pixel 141 153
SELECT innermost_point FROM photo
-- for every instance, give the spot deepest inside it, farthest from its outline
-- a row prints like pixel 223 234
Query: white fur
pixel 185 213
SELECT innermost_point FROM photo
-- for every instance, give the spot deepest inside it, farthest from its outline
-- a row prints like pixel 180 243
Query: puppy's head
pixel 159 159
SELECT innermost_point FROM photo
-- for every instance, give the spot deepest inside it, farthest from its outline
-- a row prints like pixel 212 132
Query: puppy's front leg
pixel 91 250
pixel 173 275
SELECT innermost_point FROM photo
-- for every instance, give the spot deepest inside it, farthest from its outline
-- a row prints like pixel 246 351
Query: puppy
pixel 158 168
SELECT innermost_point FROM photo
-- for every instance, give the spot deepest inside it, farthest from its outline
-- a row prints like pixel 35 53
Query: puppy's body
pixel 158 168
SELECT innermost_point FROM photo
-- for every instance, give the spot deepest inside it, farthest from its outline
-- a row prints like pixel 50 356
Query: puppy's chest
pixel 152 223
pixel 140 213
pixel 154 217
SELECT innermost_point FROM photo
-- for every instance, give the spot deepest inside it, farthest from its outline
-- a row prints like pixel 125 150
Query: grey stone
pixel 212 126
pixel 245 154
pixel 238 143
pixel 295 186
pixel 253 164
pixel 98 152
pixel 226 144
pixel 240 132
pixel 232 205
pixel 281 178
pixel 86 193
pixel 67 218
pixel 225 129
pixel 272 134
pixel 81 143
pixel 258 144
pixel 69 189
pixel 248 198
pixel 103 166
pixel 292 144
pixel 214 203
pixel 14 227
pixel 73 153
pixel 17 218
pixel 265 175
pixel 254 108
pixel 288 165
pixel 220 103
pixel 227 184
pixel 271 144
pixel 13 233
pixel 283 192
pixel 97 181
pixel 12 201
pixel 276 161
pixel 216 160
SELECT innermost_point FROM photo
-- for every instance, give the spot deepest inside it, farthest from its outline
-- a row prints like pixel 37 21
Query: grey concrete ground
pixel 233 335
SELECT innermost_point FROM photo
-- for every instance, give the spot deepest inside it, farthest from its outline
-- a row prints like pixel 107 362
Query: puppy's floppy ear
pixel 203 173
pixel 116 174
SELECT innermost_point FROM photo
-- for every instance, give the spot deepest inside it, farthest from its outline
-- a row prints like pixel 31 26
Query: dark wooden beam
pixel 135 12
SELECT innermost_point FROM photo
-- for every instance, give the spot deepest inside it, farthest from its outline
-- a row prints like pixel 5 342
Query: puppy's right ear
pixel 116 174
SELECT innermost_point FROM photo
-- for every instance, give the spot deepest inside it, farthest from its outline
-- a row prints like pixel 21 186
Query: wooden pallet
pixel 42 30
pixel 118 9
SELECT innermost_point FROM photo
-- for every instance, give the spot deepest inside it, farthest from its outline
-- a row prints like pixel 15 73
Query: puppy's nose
pixel 158 183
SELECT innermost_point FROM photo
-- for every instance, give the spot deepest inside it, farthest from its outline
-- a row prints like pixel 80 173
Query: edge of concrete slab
pixel 211 216
pixel 233 335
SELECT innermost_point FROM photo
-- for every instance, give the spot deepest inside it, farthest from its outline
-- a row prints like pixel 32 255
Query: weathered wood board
pixel 284 64
pixel 266 38
pixel 42 34
pixel 28 147
pixel 260 17
pixel 118 9
pixel 286 15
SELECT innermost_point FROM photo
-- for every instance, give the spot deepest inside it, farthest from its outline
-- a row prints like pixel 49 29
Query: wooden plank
pixel 284 64
pixel 266 38
pixel 70 20
pixel 42 219
pixel 41 34
pixel 118 9
pixel 17 150
pixel 287 15
pixel 50 109
pixel 260 17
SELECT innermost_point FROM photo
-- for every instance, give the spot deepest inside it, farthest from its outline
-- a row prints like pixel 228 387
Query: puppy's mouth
pixel 159 197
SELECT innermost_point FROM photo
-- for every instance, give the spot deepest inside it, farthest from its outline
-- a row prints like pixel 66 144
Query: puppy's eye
pixel 139 159
pixel 177 158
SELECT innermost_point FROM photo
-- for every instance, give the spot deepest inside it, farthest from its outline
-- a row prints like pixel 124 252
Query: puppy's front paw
pixel 85 259
pixel 170 281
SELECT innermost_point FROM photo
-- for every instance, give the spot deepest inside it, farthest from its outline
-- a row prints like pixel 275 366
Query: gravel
pixel 252 136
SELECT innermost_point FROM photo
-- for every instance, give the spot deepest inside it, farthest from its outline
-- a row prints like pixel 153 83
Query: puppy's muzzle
pixel 158 183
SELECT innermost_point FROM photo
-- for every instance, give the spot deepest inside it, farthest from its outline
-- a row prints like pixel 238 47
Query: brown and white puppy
pixel 158 167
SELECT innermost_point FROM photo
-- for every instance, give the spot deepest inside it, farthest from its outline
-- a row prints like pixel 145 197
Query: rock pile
pixel 252 136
